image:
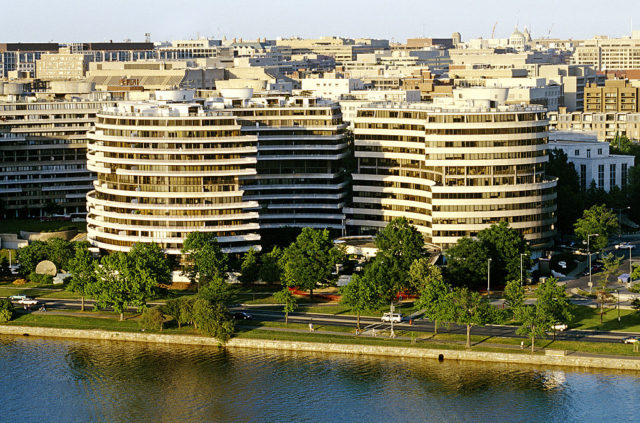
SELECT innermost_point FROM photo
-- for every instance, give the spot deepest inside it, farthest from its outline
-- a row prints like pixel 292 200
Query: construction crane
pixel 493 30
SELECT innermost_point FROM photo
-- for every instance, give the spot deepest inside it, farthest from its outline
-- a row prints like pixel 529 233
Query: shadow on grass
pixel 481 341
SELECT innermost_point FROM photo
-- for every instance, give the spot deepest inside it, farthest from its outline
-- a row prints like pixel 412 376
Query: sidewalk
pixel 416 340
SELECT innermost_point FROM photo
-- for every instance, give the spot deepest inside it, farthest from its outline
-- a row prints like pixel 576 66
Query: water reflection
pixel 108 381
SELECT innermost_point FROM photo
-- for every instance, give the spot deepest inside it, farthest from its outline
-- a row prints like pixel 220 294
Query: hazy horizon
pixel 90 20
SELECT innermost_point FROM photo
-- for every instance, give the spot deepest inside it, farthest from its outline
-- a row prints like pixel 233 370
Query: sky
pixel 396 20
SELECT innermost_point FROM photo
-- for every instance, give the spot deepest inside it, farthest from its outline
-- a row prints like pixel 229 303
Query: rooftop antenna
pixel 147 37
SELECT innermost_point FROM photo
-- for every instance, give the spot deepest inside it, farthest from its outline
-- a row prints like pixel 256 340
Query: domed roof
pixel 517 32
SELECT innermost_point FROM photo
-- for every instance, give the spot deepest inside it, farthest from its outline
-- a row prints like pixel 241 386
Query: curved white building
pixel 167 170
pixel 453 170
pixel 239 167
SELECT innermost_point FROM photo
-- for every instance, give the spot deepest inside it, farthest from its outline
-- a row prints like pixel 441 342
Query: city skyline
pixel 127 20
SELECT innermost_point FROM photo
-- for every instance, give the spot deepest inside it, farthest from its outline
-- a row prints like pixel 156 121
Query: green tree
pixel 596 220
pixel 83 273
pixel 399 245
pixel 212 319
pixel 610 265
pixel 434 292
pixel 553 299
pixel 310 260
pixel 172 308
pixel 286 298
pixel 535 321
pixel 635 274
pixel 112 287
pixel 5 270
pixel 124 280
pixel 505 245
pixel 360 295
pixel 570 199
pixel 152 319
pixel 467 263
pixel 150 267
pixel 7 310
pixel 423 273
pixel 249 269
pixel 32 254
pixel 186 311
pixel 205 259
pixel 60 252
pixel 468 308
pixel 270 270
pixel 514 295
pixel 217 291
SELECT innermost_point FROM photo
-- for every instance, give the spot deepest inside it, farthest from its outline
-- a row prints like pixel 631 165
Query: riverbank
pixel 551 358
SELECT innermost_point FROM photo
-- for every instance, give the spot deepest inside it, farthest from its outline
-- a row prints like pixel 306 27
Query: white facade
pixel 452 169
pixel 350 103
pixel 331 88
pixel 592 160
pixel 529 91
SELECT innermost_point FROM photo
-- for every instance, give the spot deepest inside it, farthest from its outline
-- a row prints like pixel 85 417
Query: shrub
pixel 6 310
pixel 152 319
pixel 212 319
pixel 40 279
pixel 635 288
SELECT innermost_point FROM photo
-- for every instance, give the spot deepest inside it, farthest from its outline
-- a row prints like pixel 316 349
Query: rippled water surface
pixel 68 380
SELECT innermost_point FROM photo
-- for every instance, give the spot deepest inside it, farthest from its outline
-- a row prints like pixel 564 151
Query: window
pixel 588 153
pixel 583 177
pixel 601 176
pixel 599 151
pixel 576 153
pixel 612 175
pixel 624 175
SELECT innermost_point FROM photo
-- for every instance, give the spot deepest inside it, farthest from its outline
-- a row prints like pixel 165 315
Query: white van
pixel 391 317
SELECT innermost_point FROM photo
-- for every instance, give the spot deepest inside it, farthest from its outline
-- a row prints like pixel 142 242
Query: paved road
pixel 418 325
pixel 422 325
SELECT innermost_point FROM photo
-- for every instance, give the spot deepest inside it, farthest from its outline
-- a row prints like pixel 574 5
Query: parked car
pixel 28 301
pixel 630 340
pixel 17 297
pixel 242 315
pixel 625 245
pixel 560 327
pixel 391 317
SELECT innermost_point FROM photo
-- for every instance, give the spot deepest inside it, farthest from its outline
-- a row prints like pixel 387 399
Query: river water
pixel 71 380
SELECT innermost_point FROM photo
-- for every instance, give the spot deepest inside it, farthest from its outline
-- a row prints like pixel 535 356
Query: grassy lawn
pixel 37 291
pixel 35 225
pixel 106 321
pixel 589 319
pixel 248 329
pixel 336 308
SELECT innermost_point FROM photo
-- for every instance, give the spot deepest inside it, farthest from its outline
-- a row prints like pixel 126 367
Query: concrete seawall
pixel 354 349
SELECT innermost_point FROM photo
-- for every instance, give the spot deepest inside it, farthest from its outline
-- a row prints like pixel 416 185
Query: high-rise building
pixel 453 169
pixel 604 53
pixel 235 166
pixel 165 170
pixel 615 96
pixel 43 163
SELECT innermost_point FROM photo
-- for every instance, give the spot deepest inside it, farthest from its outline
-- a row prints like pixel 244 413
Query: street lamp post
pixel 521 277
pixel 589 252
pixel 488 277
pixel 620 219
pixel 392 334
pixel 618 306
pixel 630 247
